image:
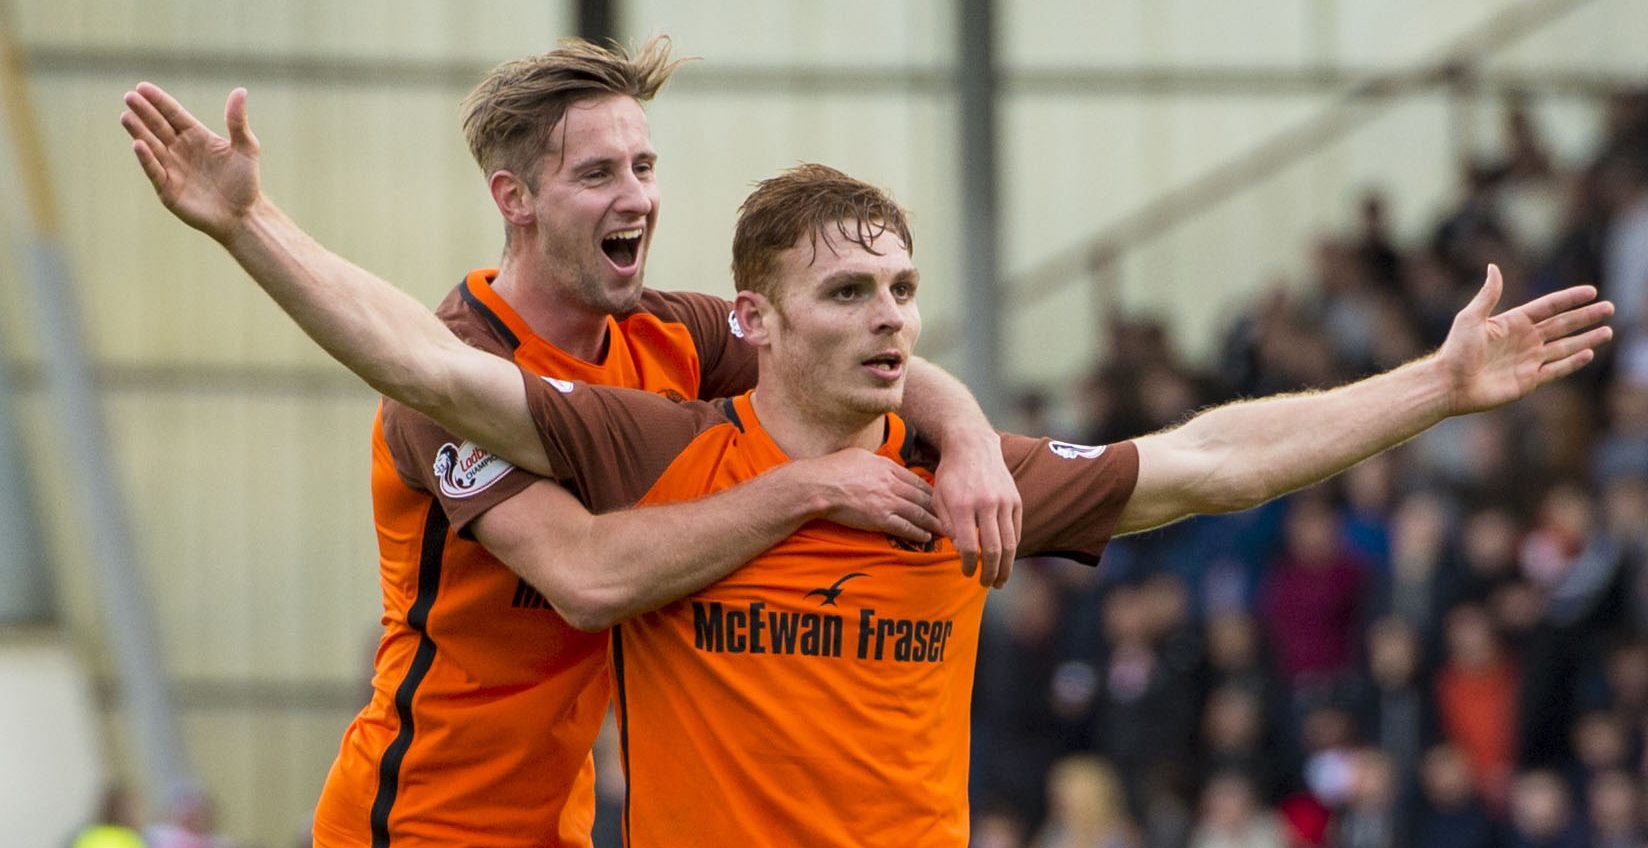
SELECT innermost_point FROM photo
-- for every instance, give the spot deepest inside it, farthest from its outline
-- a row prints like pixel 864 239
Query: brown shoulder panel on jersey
pixel 429 458
pixel 1073 494
pixel 610 445
pixel 727 365
pixel 464 477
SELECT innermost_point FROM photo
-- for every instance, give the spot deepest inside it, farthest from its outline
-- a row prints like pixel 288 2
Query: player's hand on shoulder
pixel 978 501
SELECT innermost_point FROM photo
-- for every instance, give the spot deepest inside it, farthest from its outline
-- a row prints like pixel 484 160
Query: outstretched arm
pixel 594 569
pixel 388 339
pixel 975 494
pixel 1245 453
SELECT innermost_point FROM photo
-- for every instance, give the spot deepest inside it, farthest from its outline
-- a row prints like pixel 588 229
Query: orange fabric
pixel 853 656
pixel 505 698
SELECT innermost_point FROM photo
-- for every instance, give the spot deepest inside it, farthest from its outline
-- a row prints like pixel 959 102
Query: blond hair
pixel 508 119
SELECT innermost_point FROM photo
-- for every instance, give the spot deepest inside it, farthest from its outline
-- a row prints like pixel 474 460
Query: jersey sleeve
pixel 609 445
pixel 466 478
pixel 727 364
pixel 1073 494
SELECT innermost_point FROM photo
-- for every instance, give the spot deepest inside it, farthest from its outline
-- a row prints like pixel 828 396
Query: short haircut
pixel 509 117
pixel 805 200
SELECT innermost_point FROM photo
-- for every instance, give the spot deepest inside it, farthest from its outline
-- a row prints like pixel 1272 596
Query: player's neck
pixel 556 318
pixel 802 432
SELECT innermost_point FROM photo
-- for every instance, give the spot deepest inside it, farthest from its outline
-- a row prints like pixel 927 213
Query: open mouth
pixel 885 365
pixel 623 247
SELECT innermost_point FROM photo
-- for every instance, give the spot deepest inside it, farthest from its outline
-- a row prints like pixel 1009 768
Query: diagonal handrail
pixel 1355 107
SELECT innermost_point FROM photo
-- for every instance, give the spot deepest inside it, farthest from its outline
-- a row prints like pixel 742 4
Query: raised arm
pixel 377 331
pixel 594 569
pixel 975 494
pixel 1245 453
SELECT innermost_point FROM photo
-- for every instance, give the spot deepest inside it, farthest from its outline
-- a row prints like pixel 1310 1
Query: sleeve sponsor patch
pixel 467 469
pixel 1066 450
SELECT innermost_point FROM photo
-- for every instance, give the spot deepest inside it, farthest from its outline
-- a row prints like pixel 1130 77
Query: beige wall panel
pixel 1599 36
pixel 1397 33
pixel 1135 33
pixel 1054 341
pixel 855 33
pixel 264 766
pixel 240 524
pixel 362 28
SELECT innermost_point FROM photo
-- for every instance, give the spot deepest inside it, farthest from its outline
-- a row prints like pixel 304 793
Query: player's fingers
pixel 989 527
pixel 135 128
pixel 150 163
pixel 1005 573
pixel 904 475
pixel 1557 302
pixel 920 513
pixel 240 128
pixel 965 535
pixel 1551 371
pixel 168 107
pixel 897 525
pixel 1564 348
pixel 150 116
pixel 1574 319
pixel 1009 545
pixel 1487 297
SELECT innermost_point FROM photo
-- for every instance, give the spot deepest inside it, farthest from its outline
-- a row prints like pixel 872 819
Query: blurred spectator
pixel 191 822
pixel 1370 499
pixel 1232 817
pixel 1490 540
pixel 1600 744
pixel 1397 716
pixel 1415 587
pixel 1614 811
pixel 1375 248
pixel 1234 739
pixel 1024 693
pixel 1625 249
pixel 116 823
pixel 1370 817
pixel 1145 707
pixel 1450 815
pixel 1623 449
pixel 997 827
pixel 1542 814
pixel 1476 697
pixel 1312 601
pixel 1086 808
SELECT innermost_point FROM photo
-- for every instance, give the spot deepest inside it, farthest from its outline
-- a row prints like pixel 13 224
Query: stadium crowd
pixel 1447 647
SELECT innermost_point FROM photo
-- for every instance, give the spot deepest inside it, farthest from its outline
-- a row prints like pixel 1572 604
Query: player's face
pixel 597 202
pixel 847 324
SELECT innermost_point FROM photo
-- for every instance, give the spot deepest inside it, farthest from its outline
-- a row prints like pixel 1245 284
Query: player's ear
pixel 513 197
pixel 755 316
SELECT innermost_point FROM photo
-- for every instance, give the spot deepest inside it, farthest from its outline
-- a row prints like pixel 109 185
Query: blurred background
pixel 1125 210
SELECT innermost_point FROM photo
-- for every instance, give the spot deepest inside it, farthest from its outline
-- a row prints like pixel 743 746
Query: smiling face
pixel 841 326
pixel 596 203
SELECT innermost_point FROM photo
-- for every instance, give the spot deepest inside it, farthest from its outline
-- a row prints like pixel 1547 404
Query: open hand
pixel 208 181
pixel 1492 360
